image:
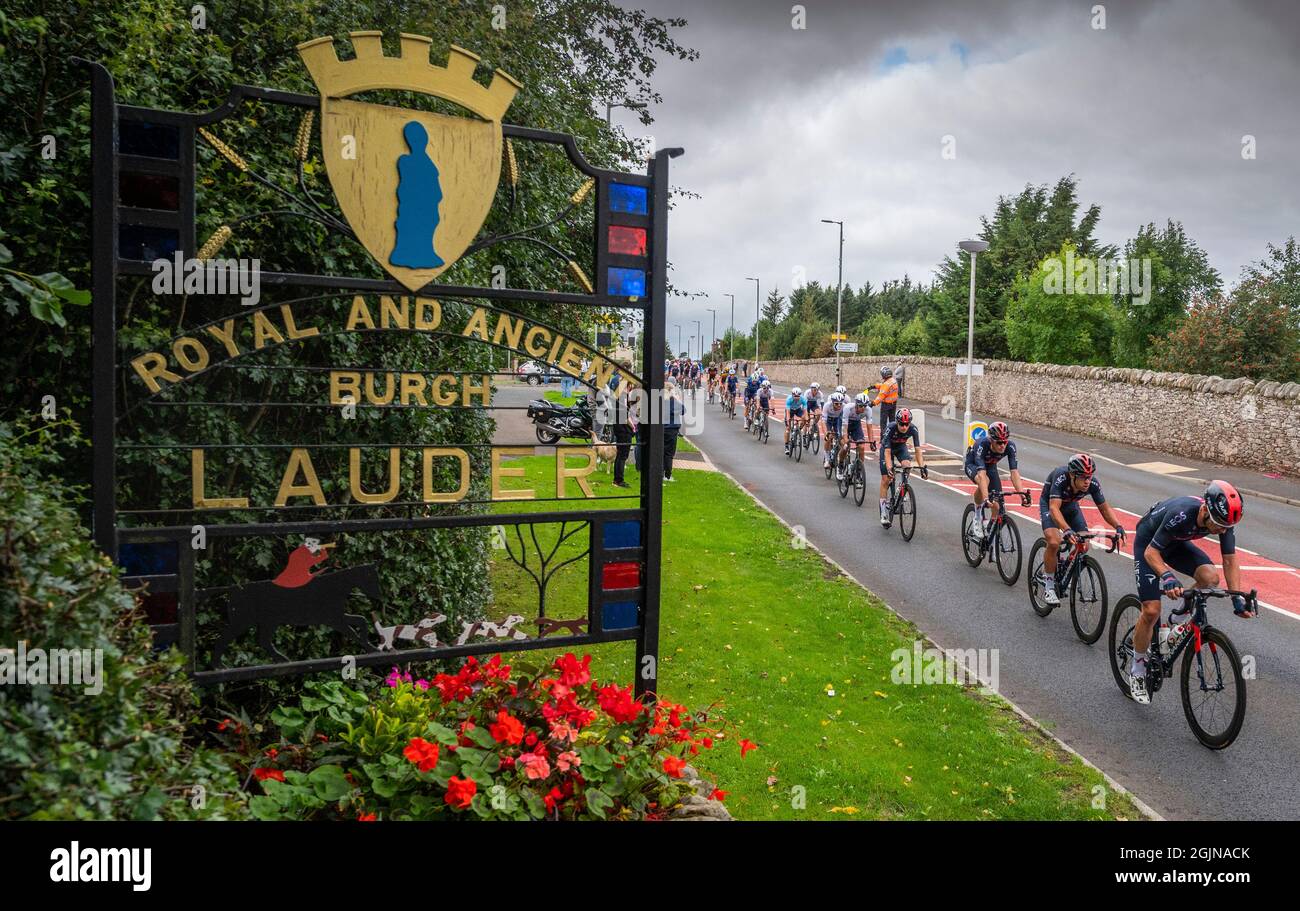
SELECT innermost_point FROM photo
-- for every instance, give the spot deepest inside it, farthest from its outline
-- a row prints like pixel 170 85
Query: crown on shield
pixel 371 69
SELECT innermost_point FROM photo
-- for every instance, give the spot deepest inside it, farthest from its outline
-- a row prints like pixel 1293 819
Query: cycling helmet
pixel 814 385
pixel 1082 465
pixel 841 390
pixel 861 399
pixel 999 432
pixel 836 398
pixel 761 372
pixel 1224 504
pixel 766 383
pixel 796 391
pixel 904 417
pixel 886 372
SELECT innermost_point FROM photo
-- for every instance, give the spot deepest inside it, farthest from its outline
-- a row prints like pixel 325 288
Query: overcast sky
pixel 846 119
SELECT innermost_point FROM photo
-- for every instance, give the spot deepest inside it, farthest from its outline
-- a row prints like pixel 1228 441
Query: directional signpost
pixel 847 347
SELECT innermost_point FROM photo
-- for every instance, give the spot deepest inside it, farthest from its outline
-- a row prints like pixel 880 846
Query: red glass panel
pixel 627 240
pixel 620 575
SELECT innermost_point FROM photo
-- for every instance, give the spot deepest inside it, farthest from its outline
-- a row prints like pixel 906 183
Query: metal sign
pixel 974 369
pixel 847 347
pixel 412 188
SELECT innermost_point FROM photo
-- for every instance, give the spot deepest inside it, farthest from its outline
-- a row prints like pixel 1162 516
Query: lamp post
pixel 700 337
pixel 631 106
pixel 839 299
pixel 731 356
pixel 757 316
pixel 974 248
pixel 678 352
pixel 713 334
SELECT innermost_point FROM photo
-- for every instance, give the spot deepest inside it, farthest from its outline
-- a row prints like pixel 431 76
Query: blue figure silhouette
pixel 419 194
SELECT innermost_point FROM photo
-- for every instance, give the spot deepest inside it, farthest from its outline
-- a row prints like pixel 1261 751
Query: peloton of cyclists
pixel 981 466
pixel 894 452
pixel 1061 517
pixel 1163 543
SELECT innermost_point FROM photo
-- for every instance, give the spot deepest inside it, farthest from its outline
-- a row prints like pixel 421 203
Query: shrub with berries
pixel 488 742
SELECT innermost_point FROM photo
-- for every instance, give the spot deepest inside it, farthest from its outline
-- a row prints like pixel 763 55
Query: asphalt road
pixel 1043 667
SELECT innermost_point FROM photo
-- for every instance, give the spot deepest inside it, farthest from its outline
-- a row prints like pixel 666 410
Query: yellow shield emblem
pixel 415 186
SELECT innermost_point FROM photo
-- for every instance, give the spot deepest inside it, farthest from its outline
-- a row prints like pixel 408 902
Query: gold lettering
pixel 449 496
pixel 359 315
pixel 483 389
pixel 190 353
pixel 477 325
pixel 555 348
pixel 263 329
pixel 375 398
pixel 439 394
pixel 499 473
pixel 153 367
pixel 394 477
pixel 345 384
pixel 562 471
pixel 427 325
pixel 226 334
pixel 601 370
pixel 292 328
pixel 537 332
pixel 508 329
pixel 571 362
pixel 413 387
pixel 299 461
pixel 197 470
pixel 390 315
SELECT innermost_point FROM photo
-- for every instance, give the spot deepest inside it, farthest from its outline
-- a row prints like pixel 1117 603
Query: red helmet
pixel 999 432
pixel 904 417
pixel 1223 503
pixel 1082 464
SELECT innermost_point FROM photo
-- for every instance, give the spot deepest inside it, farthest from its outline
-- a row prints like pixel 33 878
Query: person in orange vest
pixel 886 397
pixel 297 572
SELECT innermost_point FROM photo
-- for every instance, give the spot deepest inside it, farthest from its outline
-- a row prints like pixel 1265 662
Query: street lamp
pixel 756 318
pixel 974 248
pixel 699 335
pixel 839 298
pixel 713 335
pixel 732 355
pixel 678 352
pixel 631 106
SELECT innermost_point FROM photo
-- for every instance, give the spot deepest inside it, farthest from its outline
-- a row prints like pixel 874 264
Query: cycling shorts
pixel 1070 511
pixel 855 432
pixel 995 481
pixel 1181 556
pixel 898 454
pixel 833 424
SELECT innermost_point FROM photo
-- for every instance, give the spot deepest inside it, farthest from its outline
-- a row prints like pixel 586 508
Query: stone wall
pixel 1232 422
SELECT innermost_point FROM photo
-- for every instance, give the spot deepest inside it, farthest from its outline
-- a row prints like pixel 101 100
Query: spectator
pixel 899 372
pixel 622 423
pixel 672 417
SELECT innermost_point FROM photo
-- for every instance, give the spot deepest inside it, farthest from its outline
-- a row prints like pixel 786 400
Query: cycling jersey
pixel 751 388
pixel 731 385
pixel 895 437
pixel 794 406
pixel 765 399
pixel 1170 527
pixel 853 427
pixel 814 402
pixel 834 414
pixel 981 456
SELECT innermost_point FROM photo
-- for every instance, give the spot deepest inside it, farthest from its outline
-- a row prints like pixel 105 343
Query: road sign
pixel 975 369
pixel 847 347
pixel 838 336
pixel 974 431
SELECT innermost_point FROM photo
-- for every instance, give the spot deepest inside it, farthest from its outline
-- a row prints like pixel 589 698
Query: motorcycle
pixel 552 421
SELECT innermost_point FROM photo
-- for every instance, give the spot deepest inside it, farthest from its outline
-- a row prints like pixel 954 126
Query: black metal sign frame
pixel 110 216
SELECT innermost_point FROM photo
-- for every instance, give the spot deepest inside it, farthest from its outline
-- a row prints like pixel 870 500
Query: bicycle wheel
pixel 816 442
pixel 1088 601
pixel 796 442
pixel 847 481
pixel 763 430
pixel 1037 575
pixel 1216 709
pixel 907 513
pixel 832 455
pixel 970 545
pixel 859 483
pixel 1120 644
pixel 1006 550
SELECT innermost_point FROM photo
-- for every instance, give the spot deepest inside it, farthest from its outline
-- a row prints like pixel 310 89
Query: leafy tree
pixel 774 306
pixel 913 338
pixel 813 340
pixel 879 335
pixel 1280 268
pixel 1044 324
pixel 1180 272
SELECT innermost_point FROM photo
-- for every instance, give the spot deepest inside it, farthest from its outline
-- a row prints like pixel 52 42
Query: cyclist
pixel 1163 543
pixel 794 414
pixel 1061 517
pixel 763 401
pixel 855 417
pixel 886 396
pixel 835 406
pixel 731 387
pixel 981 466
pixel 814 399
pixel 752 385
pixel 894 451
pixel 713 379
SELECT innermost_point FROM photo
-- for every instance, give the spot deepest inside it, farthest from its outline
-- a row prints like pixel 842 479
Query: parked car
pixel 534 374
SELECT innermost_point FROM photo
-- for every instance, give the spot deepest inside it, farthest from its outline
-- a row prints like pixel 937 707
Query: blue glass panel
pixel 153 140
pixel 627 198
pixel 620 615
pixel 623 534
pixel 153 558
pixel 626 282
pixel 146 242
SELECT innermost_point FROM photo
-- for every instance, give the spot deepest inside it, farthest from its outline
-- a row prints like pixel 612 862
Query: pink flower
pixel 568 760
pixel 535 765
pixel 562 730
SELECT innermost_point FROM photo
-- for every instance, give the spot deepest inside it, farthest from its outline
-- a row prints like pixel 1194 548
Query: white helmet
pixel 836 398
pixel 766 383
pixel 841 390
pixel 814 385
pixel 796 391
pixel 861 399
pixel 761 372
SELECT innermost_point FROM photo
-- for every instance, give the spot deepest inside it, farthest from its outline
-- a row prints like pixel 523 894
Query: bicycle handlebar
pixel 1194 594
pixel 1113 537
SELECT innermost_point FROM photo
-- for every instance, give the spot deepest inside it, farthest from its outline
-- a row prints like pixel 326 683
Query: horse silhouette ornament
pixel 320 601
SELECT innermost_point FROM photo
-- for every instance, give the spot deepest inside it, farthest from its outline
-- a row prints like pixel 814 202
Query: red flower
pixel 272 753
pixel 507 729
pixel 264 774
pixel 507 762
pixel 422 753
pixel 746 746
pixel 366 817
pixel 618 703
pixel 673 766
pixel 531 740
pixel 573 673
pixel 717 795
pixel 495 670
pixel 553 799
pixel 460 793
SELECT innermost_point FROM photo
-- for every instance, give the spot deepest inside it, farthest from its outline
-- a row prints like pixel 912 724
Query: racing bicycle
pixel 902 502
pixel 1214 701
pixel 1001 541
pixel 1080 575
pixel 855 476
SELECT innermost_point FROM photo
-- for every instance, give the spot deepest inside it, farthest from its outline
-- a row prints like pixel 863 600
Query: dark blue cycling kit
pixel 1170 526
pixel 982 457
pixel 751 388
pixel 894 439
pixel 1058 487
